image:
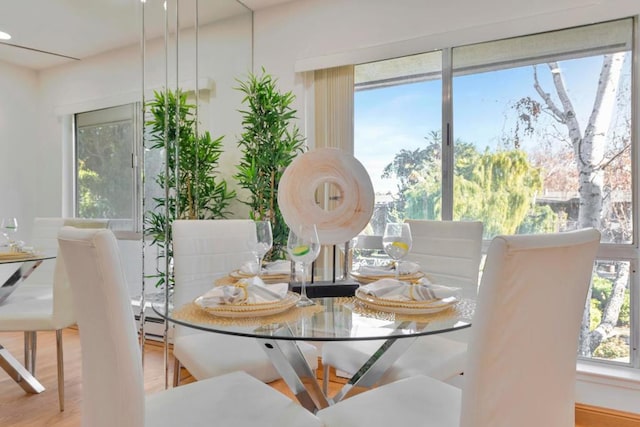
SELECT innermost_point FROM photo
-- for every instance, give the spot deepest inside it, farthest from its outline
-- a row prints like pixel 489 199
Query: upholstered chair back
pixel 112 379
pixel 449 252
pixel 521 365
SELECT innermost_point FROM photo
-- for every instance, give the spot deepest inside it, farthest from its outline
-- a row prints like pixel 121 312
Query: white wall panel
pixel 18 137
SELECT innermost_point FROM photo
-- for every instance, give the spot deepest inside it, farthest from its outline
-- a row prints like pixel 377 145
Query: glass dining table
pixel 330 319
pixel 15 267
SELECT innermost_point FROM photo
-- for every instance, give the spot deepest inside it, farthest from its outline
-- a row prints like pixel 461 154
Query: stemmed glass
pixel 303 246
pixel 348 255
pixel 9 225
pixel 263 243
pixel 397 242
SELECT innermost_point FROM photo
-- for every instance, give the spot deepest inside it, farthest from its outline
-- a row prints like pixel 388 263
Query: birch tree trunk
pixel 611 311
pixel 589 151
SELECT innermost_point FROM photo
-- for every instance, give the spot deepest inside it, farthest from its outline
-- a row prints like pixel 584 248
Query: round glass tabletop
pixel 331 319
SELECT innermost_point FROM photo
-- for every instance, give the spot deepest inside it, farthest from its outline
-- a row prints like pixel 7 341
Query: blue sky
pixel 396 117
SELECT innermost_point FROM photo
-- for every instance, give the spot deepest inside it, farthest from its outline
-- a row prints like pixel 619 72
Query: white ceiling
pixel 82 28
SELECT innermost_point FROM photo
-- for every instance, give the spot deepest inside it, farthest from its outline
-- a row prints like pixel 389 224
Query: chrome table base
pixel 296 372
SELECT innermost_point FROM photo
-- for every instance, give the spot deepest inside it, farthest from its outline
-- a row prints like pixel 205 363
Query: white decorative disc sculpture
pixel 351 190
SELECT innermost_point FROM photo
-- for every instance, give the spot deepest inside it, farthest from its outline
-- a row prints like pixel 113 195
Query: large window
pixel 537 138
pixel 106 184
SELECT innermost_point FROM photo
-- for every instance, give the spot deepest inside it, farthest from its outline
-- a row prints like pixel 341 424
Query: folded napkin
pixel 246 291
pixel 276 267
pixel 406 267
pixel 423 290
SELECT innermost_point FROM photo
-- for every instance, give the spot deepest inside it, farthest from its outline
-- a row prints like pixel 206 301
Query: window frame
pixel 628 252
pixel 127 228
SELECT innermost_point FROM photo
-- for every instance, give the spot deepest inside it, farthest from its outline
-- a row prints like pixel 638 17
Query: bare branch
pixel 615 156
pixel 557 113
pixel 569 112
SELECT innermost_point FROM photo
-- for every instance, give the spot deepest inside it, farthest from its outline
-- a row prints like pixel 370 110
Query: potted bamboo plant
pixel 269 142
pixel 195 189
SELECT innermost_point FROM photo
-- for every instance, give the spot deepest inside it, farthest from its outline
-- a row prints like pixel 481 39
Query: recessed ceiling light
pixel 4 36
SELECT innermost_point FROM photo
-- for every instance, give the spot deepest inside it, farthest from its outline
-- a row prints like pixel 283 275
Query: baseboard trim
pixel 594 416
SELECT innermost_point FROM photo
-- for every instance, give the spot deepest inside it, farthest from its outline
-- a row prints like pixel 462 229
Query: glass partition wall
pixel 190 71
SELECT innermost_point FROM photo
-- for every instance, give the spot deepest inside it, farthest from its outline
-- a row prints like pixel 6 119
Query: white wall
pixel 18 135
pixel 295 37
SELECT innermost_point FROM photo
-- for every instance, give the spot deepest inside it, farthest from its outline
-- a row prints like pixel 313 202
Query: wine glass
pixel 347 251
pixel 397 242
pixel 303 246
pixel 9 225
pixel 263 243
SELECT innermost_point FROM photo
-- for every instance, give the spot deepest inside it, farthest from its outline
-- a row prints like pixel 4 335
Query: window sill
pixel 608 386
pixel 620 376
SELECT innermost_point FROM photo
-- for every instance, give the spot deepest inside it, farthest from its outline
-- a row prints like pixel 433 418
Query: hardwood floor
pixel 25 410
pixel 18 408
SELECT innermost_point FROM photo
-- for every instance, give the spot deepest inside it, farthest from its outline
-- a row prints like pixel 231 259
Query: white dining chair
pixel 112 377
pixel 521 369
pixel 449 253
pixel 43 301
pixel 204 250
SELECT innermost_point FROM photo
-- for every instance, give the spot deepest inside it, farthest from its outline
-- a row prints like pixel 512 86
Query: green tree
pixel 419 175
pixel 104 187
pixel 90 204
pixel 500 191
pixel 497 188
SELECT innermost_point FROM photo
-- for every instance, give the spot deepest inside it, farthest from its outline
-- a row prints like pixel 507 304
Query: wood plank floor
pixel 19 409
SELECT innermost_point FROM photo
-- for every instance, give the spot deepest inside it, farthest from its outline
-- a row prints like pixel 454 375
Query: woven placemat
pixel 13 256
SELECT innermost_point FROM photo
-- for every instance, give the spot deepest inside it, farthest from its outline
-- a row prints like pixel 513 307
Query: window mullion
pixel 447 135
pixel 635 165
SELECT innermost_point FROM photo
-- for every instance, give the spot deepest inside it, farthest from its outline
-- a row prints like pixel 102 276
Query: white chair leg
pixel 177 366
pixel 60 369
pixel 30 344
pixel 325 378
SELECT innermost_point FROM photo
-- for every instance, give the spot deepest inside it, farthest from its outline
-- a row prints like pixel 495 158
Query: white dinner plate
pixel 405 307
pixel 250 310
